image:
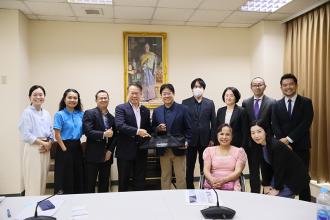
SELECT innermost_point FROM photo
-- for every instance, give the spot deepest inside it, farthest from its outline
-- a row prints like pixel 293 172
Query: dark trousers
pixel 191 161
pixel 254 153
pixel 69 168
pixel 132 168
pixel 304 155
pixel 100 171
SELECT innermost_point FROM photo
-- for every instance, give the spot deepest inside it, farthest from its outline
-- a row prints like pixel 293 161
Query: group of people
pixel 272 135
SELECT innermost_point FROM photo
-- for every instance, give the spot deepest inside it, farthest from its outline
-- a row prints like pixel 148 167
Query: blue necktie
pixel 256 108
pixel 290 107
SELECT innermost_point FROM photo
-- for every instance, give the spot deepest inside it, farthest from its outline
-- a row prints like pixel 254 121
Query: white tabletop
pixel 167 205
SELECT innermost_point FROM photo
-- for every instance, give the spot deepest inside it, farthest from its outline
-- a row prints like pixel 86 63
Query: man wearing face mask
pixel 202 114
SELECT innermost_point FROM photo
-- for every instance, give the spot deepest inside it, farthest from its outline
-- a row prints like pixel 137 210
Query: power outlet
pixel 3 79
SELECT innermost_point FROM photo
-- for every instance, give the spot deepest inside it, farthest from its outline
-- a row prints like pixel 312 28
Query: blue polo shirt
pixel 69 123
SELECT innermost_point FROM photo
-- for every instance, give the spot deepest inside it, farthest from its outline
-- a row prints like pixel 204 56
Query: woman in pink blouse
pixel 223 164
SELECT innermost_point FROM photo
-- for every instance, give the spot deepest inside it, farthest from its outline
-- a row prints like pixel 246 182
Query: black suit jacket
pixel 297 127
pixel 177 123
pixel 239 125
pixel 265 114
pixel 93 127
pixel 203 125
pixel 286 167
pixel 128 142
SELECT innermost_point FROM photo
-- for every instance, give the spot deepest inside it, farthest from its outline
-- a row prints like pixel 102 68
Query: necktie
pixel 256 108
pixel 290 107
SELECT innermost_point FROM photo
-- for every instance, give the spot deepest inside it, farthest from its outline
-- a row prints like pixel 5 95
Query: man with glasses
pixel 258 107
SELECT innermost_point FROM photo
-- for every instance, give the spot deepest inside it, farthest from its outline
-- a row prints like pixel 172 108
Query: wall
pixel 14 71
pixel 89 57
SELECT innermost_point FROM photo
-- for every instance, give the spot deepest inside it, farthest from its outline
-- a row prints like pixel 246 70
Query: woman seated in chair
pixel 283 172
pixel 223 164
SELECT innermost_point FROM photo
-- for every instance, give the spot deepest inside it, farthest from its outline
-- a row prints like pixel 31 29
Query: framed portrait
pixel 145 62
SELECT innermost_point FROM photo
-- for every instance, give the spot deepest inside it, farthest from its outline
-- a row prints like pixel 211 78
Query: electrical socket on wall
pixel 3 79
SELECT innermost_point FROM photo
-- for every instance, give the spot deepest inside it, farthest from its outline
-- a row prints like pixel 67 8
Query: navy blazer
pixel 238 123
pixel 204 124
pixel 285 166
pixel 128 142
pixel 93 128
pixel 297 127
pixel 178 122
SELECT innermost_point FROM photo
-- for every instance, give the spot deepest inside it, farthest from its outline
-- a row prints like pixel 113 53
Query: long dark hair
pixel 261 124
pixel 62 105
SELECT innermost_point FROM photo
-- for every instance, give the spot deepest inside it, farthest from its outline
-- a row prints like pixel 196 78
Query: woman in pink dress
pixel 223 164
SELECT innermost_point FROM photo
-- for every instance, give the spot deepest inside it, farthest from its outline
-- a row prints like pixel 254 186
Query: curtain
pixel 307 55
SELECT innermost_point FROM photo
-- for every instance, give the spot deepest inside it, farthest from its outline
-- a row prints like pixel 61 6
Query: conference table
pixel 166 205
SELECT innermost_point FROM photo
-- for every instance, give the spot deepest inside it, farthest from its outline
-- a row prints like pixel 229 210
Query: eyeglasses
pixel 257 85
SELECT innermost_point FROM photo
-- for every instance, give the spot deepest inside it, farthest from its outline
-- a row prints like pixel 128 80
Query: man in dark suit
pixel 133 124
pixel 258 107
pixel 292 117
pixel 172 118
pixel 100 130
pixel 202 114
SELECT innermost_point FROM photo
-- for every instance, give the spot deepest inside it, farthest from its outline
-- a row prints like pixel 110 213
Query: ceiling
pixel 208 13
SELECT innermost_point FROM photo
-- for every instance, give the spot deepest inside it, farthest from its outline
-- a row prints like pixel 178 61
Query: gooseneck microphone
pixel 218 212
pixel 36 217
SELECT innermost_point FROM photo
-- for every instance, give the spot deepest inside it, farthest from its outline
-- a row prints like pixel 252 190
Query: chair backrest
pixel 241 181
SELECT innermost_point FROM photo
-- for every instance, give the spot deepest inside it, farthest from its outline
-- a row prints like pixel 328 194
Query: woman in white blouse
pixel 37 133
pixel 235 116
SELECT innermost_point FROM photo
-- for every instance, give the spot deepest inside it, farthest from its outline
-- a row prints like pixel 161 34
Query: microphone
pixel 218 212
pixel 36 217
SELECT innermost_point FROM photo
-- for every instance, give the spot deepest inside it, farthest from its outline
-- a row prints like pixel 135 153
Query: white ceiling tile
pixel 148 3
pixel 162 22
pixel 296 6
pixel 179 3
pixel 46 1
pixel 172 14
pixel 44 8
pixel 131 21
pixel 277 16
pixel 245 17
pixel 79 10
pixel 235 25
pixel 95 19
pixel 222 4
pixel 209 15
pixel 202 24
pixel 57 18
pixel 32 17
pixel 12 4
pixel 133 12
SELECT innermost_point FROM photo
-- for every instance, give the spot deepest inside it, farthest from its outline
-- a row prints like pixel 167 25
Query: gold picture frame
pixel 145 62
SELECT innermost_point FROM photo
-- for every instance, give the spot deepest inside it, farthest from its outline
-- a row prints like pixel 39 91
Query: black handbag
pixel 164 141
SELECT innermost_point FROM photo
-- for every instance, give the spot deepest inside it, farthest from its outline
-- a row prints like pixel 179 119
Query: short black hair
pixel 101 91
pixel 221 126
pixel 289 76
pixel 200 81
pixel 34 87
pixel 62 104
pixel 258 77
pixel 136 85
pixel 237 94
pixel 167 86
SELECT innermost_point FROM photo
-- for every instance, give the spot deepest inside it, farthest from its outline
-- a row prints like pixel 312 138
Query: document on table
pixel 28 211
pixel 2 198
pixel 202 197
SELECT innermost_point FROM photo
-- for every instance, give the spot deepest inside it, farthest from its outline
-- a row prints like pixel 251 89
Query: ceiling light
pixel 99 2
pixel 264 5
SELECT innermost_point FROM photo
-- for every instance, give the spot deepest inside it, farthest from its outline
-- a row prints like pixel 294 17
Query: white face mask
pixel 198 92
